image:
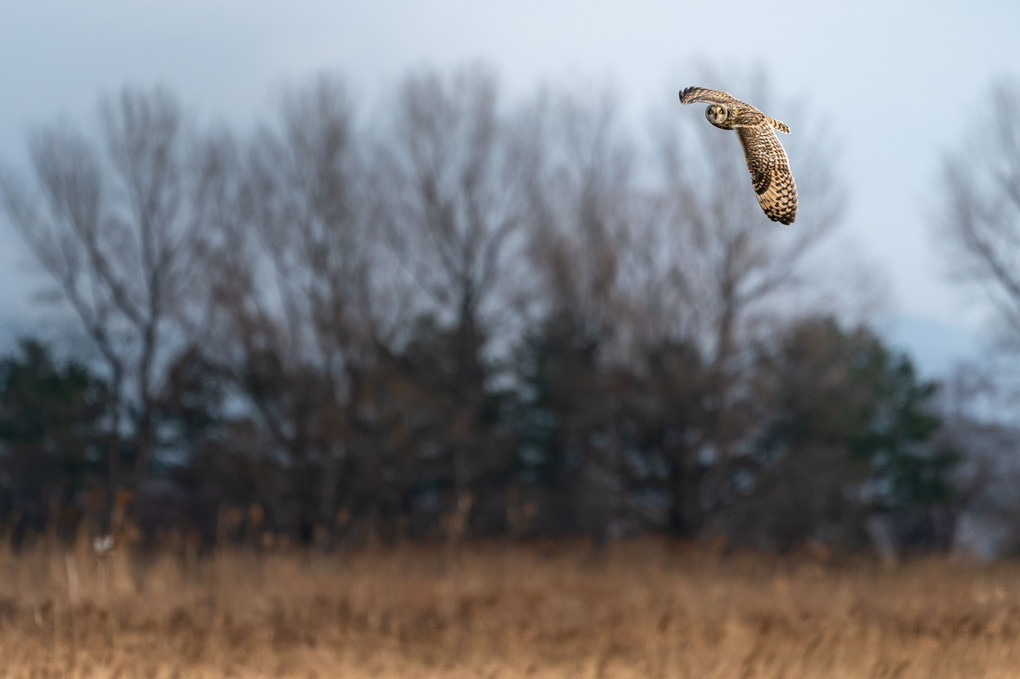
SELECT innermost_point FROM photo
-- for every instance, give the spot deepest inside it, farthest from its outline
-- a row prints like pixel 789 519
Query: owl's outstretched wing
pixel 770 173
pixel 692 95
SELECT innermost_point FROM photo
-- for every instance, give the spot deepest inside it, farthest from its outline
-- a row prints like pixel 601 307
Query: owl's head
pixel 716 114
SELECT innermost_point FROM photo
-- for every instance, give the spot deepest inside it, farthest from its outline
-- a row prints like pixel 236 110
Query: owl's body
pixel 766 160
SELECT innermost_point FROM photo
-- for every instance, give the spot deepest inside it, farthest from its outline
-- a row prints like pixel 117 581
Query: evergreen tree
pixel 51 430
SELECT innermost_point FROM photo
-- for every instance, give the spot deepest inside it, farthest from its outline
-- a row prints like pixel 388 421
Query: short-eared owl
pixel 766 159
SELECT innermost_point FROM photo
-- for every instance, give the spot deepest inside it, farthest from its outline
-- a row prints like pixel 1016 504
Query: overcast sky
pixel 898 82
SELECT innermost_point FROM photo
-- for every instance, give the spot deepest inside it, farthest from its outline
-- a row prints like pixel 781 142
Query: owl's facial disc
pixel 716 113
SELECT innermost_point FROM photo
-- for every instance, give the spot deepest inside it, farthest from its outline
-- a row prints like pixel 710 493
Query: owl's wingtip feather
pixel 685 92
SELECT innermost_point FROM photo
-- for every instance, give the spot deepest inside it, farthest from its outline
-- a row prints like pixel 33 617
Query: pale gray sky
pixel 897 81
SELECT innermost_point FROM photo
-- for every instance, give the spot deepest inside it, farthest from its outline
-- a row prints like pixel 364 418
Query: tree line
pixel 447 314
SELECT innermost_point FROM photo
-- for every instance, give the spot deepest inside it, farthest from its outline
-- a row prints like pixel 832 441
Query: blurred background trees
pixel 978 225
pixel 462 315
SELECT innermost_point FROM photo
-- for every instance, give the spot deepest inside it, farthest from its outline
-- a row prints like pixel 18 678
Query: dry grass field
pixel 647 608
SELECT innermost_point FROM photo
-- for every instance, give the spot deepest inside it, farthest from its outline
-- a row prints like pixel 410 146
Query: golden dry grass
pixel 648 608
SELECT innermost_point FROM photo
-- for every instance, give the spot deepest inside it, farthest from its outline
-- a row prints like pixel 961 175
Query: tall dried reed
pixel 648 608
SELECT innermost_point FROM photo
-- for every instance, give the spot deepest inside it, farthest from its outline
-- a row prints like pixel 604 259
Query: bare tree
pixel 979 214
pixel 292 269
pixel 113 227
pixel 451 177
pixel 977 220
pixel 581 193
pixel 582 201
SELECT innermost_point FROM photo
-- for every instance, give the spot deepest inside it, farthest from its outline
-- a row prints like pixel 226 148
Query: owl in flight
pixel 766 159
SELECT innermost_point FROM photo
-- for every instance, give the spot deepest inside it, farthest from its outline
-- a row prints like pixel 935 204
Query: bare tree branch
pixel 980 215
pixel 116 238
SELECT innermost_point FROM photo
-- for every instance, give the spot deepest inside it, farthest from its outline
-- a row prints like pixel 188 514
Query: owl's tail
pixel 780 125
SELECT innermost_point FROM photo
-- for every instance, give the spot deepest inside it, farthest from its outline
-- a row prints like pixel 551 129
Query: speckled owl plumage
pixel 766 160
